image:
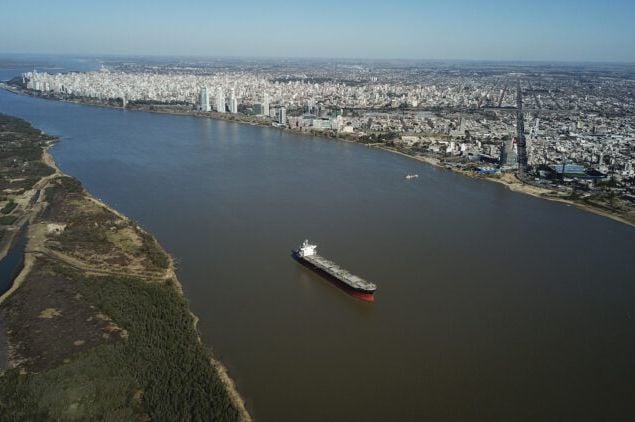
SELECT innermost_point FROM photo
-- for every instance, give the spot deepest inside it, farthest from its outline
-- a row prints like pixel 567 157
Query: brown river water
pixel 491 305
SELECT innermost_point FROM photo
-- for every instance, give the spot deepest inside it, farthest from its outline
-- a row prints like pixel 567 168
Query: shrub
pixel 8 208
pixel 7 220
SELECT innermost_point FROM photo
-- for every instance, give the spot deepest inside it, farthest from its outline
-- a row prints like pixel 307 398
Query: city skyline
pixel 507 31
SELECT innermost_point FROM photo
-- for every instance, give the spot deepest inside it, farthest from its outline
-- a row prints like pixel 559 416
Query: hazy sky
pixel 454 29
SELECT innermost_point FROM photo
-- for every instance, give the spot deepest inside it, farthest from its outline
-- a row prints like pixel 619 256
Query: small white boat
pixel 411 176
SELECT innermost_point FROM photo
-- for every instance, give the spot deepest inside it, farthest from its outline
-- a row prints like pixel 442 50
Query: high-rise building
pixel 265 104
pixel 282 116
pixel 204 100
pixel 220 101
pixel 311 107
pixel 509 154
pixel 233 102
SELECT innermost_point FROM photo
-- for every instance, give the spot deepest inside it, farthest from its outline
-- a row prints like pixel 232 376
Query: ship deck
pixel 340 273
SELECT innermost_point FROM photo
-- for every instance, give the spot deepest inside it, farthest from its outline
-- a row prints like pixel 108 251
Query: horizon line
pixel 274 57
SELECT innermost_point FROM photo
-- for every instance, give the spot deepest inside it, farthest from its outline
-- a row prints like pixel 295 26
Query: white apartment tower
pixel 204 100
pixel 220 101
pixel 265 104
pixel 233 102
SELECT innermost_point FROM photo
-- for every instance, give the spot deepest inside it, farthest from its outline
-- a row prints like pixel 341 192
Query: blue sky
pixel 563 30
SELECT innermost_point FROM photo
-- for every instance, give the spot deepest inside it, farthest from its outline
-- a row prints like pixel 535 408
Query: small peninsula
pixel 95 321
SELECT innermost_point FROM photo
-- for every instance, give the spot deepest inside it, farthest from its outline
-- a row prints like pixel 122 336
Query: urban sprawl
pixel 579 121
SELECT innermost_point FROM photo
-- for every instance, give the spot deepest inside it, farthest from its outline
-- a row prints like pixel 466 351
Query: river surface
pixel 12 65
pixel 10 266
pixel 491 305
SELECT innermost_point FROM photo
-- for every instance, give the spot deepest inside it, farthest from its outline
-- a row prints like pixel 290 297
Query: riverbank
pixel 513 184
pixel 96 320
pixel 510 181
pixel 620 211
pixel 176 111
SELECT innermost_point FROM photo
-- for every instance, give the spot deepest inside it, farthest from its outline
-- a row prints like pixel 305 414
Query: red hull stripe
pixel 363 296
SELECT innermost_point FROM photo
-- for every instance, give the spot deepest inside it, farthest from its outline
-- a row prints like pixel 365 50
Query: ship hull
pixel 365 295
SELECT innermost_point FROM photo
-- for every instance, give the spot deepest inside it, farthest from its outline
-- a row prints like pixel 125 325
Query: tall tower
pixel 462 126
pixel 233 102
pixel 265 104
pixel 220 101
pixel 521 142
pixel 204 100
pixel 282 116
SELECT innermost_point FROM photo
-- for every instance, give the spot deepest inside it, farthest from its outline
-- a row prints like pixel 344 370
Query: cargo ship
pixel 350 283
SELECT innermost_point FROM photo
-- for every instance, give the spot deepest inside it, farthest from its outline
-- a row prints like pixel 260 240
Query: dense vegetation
pixel 94 386
pixel 7 220
pixel 20 154
pixel 170 364
pixel 10 206
pixel 160 369
pixel 153 251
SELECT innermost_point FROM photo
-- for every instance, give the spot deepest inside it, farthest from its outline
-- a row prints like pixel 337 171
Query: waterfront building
pixel 265 104
pixel 509 155
pixel 311 107
pixel 204 100
pixel 220 101
pixel 282 115
pixel 575 171
pixel 233 102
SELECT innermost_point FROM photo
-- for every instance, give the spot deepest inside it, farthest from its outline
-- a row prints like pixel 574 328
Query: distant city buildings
pixel 461 115
pixel 220 101
pixel 265 104
pixel 509 154
pixel 204 100
pixel 233 102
